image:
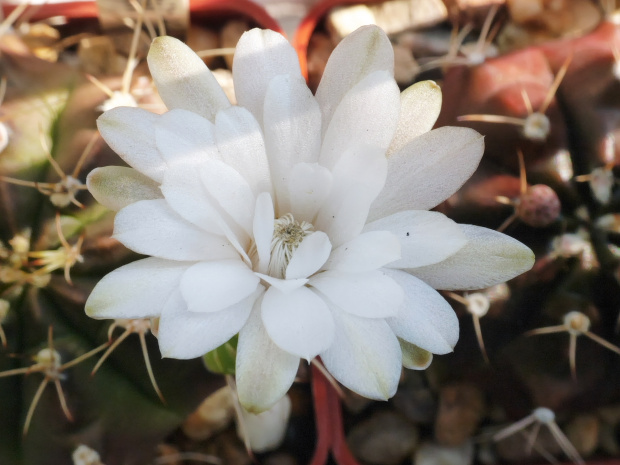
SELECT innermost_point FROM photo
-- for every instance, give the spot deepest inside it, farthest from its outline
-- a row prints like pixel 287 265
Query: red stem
pixel 329 424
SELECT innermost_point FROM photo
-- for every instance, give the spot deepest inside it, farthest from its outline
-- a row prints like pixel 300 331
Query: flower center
pixel 287 235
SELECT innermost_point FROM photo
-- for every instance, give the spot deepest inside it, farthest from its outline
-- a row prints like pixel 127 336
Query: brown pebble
pixel 461 407
pixel 386 438
pixel 583 433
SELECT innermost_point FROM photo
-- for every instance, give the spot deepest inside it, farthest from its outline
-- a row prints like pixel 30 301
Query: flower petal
pixel 309 184
pixel 183 80
pixel 488 258
pixel 420 105
pixel 265 431
pixel 184 334
pixel 261 55
pixel 367 116
pixel 424 318
pixel 429 169
pixel 185 193
pixel 214 286
pixel 357 179
pixel 116 187
pixel 425 237
pixel 264 372
pixel 230 193
pixel 366 252
pixel 240 143
pixel 129 132
pixel 365 356
pixel 361 53
pixel 137 290
pixel 415 358
pixel 299 321
pixel 283 285
pixel 151 227
pixel 292 125
pixel 310 256
pixel 185 137
pixel 263 226
pixel 372 294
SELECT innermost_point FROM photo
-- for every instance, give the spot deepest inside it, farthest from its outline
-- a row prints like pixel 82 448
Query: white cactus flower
pixel 298 221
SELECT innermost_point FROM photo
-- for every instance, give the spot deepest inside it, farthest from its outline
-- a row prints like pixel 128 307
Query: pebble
pixel 514 448
pixel 415 400
pixel 386 438
pixel 435 454
pixel 461 407
pixel 583 433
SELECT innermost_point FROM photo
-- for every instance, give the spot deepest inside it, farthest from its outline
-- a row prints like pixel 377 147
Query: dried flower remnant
pixel 576 324
pixel 537 206
pixel 65 257
pixel 15 267
pixel 536 126
pixel 141 327
pixel 64 192
pixel 283 220
pixel 48 362
pixel 541 416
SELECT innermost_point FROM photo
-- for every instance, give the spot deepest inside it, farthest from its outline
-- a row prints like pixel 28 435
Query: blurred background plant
pixel 549 67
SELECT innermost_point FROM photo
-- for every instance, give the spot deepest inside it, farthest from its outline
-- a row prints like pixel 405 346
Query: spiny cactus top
pixel 299 222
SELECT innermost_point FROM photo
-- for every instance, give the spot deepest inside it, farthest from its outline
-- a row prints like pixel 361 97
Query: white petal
pixel 137 290
pixel 292 124
pixel 266 430
pixel 151 227
pixel 261 55
pixel 365 356
pixel 283 285
pixel 129 132
pixel 299 322
pixel 425 318
pixel 184 191
pixel 361 53
pixel 230 193
pixel 116 187
pixel 425 237
pixel 183 80
pixel 366 252
pixel 367 116
pixel 309 184
pixel 488 258
pixel 310 256
pixel 264 372
pixel 357 179
pixel 185 137
pixel 263 226
pixel 214 286
pixel 184 334
pixel 428 170
pixel 240 143
pixel 415 358
pixel 420 105
pixel 372 294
